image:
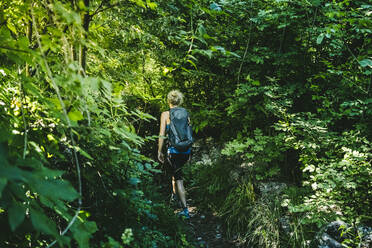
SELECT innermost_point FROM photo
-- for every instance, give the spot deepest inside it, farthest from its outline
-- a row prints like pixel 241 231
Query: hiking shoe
pixel 184 214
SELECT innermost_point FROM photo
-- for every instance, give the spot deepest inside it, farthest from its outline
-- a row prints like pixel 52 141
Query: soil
pixel 205 229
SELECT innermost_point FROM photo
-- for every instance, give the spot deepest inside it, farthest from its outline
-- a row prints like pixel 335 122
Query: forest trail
pixel 205 228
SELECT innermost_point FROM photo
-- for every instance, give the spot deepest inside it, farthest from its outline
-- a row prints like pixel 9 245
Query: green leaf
pixel 58 206
pixel 55 189
pixel 14 173
pixel 46 172
pixel 30 162
pixel 85 154
pixel 143 115
pixel 16 215
pixel 233 54
pixel 139 3
pixel 201 29
pixel 256 83
pixel 81 5
pixel 366 63
pixel 218 48
pixel 207 53
pixel 82 232
pixel 151 5
pixel 23 43
pixel 214 6
pixel 42 223
pixel 126 134
pixel 75 115
pixel 12 27
pixel 134 181
pixel 320 39
pixel 316 3
pixel 193 64
pixel 55 103
pixel 3 182
pixel 82 152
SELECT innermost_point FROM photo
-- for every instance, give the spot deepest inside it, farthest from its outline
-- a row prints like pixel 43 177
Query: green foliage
pixel 263 225
pixel 214 188
pixel 333 181
pixel 264 151
pixel 301 104
pixel 68 134
pixel 237 207
pixel 286 83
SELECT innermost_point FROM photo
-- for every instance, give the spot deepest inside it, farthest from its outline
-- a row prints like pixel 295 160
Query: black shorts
pixel 176 162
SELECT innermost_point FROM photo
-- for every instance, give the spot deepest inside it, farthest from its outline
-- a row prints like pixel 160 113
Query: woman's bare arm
pixel 163 123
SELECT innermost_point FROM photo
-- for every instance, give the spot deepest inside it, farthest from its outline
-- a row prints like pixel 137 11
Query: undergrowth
pixel 247 220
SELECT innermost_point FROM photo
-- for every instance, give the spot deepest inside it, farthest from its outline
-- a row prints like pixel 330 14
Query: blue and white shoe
pixel 184 214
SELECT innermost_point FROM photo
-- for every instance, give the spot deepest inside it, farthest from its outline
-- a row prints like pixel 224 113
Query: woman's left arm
pixel 163 120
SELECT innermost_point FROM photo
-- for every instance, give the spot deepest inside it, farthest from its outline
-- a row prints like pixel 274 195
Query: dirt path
pixel 206 229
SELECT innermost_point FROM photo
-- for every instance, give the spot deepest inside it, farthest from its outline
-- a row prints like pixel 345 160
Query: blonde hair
pixel 175 97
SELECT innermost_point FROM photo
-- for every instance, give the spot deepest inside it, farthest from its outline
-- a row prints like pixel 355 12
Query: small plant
pixel 127 236
pixel 237 207
pixel 263 227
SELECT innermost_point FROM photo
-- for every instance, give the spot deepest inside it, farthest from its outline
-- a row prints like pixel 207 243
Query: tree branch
pixel 23 118
pixel 246 47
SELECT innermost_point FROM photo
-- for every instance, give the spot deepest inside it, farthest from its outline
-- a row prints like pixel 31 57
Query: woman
pixel 175 158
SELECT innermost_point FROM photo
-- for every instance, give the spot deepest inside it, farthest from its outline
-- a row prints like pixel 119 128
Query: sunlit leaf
pixel 214 6
pixel 134 181
pixel 320 39
pixel 366 63
pixel 82 152
pixel 75 115
pixel 192 63
pixel 151 5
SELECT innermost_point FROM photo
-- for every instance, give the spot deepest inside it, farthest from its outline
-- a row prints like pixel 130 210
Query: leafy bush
pixel 263 151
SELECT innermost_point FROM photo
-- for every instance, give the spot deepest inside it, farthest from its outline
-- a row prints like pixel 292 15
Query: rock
pixel 327 241
pixel 285 224
pixel 366 233
pixel 335 228
pixel 270 189
pixel 205 152
pixel 330 236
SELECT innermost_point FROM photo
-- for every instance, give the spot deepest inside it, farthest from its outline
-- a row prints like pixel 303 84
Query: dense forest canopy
pixel 283 88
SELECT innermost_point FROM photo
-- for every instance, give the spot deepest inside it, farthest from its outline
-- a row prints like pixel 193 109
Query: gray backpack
pixel 180 131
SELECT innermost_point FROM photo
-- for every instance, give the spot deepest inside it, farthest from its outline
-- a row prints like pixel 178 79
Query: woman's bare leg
pixel 174 186
pixel 181 192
